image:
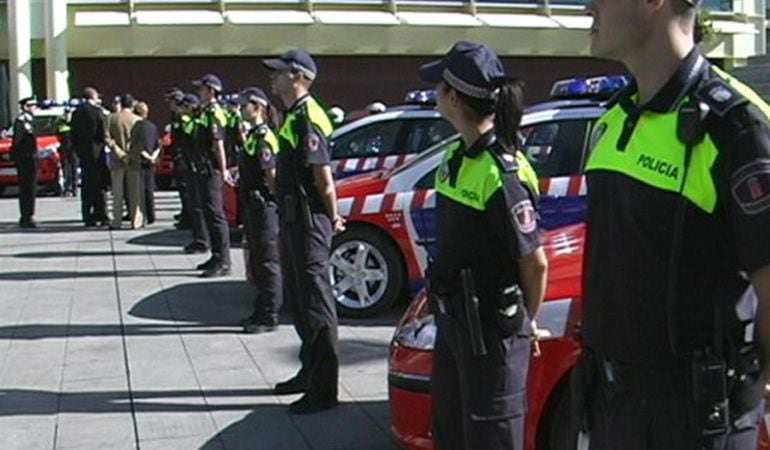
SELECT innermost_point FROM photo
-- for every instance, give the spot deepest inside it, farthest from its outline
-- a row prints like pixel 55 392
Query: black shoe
pixel 218 270
pixel 182 226
pixel 309 404
pixel 249 320
pixel 295 385
pixel 179 216
pixel 195 248
pixel 260 327
pixel 211 262
pixel 27 224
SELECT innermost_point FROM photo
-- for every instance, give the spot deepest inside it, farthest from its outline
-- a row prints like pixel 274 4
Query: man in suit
pixel 88 139
pixel 119 125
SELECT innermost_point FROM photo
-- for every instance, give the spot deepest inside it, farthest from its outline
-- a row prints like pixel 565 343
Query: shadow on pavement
pixel 267 424
pixel 222 303
pixel 350 426
pixel 84 254
pixel 177 238
pixel 68 274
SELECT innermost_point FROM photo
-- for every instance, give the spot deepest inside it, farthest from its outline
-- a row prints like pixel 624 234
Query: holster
pixel 472 315
pixel 296 211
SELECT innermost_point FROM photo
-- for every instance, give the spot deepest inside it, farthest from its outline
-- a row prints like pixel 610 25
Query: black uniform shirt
pixel 24 147
pixel 630 228
pixel 210 127
pixel 487 228
pixel 258 155
pixel 304 143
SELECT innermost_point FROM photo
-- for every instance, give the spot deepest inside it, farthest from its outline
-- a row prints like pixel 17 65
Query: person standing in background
pixel 88 139
pixel 119 125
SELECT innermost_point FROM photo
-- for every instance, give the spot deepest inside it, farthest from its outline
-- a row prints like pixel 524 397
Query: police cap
pixel 253 95
pixel 174 95
pixel 28 101
pixel 191 100
pixel 210 81
pixel 469 67
pixel 294 60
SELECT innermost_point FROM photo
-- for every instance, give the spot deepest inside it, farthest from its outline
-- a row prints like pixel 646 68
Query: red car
pixel 49 173
pixel 548 414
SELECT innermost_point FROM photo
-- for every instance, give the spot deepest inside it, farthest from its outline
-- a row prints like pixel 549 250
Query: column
pixel 20 52
pixel 56 72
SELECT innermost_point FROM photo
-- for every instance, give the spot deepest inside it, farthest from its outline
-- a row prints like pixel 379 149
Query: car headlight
pixel 419 333
pixel 417 328
pixel 46 152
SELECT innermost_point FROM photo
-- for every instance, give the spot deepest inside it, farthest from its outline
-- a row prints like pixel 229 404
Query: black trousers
pixel 70 171
pixel 27 173
pixel 182 179
pixel 92 193
pixel 305 251
pixel 195 184
pixel 634 420
pixel 260 221
pixel 479 402
pixel 214 216
pixel 148 191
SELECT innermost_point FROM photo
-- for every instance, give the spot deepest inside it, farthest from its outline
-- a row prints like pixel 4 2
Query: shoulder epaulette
pixel 505 160
pixel 719 95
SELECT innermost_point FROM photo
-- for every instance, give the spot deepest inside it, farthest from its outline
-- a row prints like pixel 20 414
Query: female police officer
pixel 489 274
pixel 256 166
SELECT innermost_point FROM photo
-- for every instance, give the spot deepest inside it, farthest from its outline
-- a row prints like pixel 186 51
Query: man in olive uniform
pixel 256 192
pixel 24 155
pixel 209 154
pixel 676 313
pixel 308 211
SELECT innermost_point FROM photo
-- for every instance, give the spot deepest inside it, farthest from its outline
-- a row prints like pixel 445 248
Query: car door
pixel 370 147
pixel 556 149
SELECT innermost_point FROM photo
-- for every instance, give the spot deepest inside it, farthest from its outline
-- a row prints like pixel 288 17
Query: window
pixel 428 181
pixel 377 139
pixel 424 133
pixel 555 148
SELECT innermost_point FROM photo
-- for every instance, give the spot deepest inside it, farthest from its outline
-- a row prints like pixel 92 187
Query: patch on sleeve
pixel 266 154
pixel 312 142
pixel 751 187
pixel 524 216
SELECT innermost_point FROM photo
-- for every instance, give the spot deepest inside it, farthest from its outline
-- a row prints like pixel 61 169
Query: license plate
pixel 8 171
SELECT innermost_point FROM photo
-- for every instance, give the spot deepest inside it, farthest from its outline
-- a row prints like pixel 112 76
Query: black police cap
pixel 174 95
pixel 28 101
pixel 469 67
pixel 210 81
pixel 191 100
pixel 294 60
pixel 253 95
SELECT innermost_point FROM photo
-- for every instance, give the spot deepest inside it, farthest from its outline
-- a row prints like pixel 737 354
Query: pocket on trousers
pixel 500 407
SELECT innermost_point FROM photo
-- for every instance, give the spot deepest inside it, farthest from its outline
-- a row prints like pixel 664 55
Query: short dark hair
pixel 127 101
pixel 90 93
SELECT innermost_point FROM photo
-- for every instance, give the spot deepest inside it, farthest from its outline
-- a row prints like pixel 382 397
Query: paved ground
pixel 108 340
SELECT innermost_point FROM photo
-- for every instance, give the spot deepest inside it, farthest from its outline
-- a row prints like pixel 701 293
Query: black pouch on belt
pixel 510 313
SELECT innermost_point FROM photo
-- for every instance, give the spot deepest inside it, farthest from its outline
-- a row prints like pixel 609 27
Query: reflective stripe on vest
pixel 317 117
pixel 478 178
pixel 214 112
pixel 654 156
pixel 250 146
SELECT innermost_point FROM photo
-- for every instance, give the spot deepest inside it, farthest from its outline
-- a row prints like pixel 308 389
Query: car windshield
pixel 427 154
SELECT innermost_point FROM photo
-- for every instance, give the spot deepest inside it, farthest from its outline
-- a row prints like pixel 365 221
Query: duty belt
pixel 653 381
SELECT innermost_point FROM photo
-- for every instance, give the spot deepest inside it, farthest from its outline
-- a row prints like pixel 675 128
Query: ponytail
pixel 509 109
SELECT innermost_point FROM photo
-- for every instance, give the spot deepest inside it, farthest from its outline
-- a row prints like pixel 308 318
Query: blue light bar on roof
pixel 596 87
pixel 422 97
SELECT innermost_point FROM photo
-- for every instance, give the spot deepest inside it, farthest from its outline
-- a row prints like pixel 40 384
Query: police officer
pixel 489 274
pixel 233 129
pixel 678 241
pixel 190 166
pixel 24 155
pixel 173 99
pixel 209 151
pixel 256 191
pixel 308 214
pixel 67 155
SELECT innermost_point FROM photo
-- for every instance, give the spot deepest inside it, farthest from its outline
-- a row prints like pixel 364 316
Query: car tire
pixel 367 264
pixel 558 432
